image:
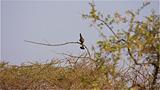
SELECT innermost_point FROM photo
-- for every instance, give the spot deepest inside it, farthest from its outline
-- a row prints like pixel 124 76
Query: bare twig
pixel 156 70
pixel 130 54
pixel 46 44
pixel 109 28
pixel 138 71
pixel 135 61
pixel 77 56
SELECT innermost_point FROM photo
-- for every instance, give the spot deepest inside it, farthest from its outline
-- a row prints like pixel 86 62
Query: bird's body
pixel 82 47
pixel 81 41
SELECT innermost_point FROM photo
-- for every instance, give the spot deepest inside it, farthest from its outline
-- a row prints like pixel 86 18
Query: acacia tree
pixel 131 55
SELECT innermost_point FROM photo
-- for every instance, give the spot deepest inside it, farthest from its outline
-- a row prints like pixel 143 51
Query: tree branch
pixel 130 54
pixel 155 72
pixel 109 28
pixel 46 44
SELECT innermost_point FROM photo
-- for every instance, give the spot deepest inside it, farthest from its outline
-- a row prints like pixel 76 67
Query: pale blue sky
pixel 53 22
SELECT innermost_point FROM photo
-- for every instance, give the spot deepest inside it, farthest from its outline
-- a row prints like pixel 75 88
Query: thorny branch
pixel 77 56
pixel 46 44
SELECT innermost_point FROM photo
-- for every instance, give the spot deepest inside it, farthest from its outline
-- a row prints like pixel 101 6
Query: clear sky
pixel 52 21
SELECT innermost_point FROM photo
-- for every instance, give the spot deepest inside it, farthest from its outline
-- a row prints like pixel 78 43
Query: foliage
pixel 52 75
pixel 137 47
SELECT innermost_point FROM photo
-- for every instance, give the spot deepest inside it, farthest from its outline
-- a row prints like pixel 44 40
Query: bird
pixel 81 41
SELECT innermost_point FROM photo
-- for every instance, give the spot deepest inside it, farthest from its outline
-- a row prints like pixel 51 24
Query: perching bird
pixel 81 41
